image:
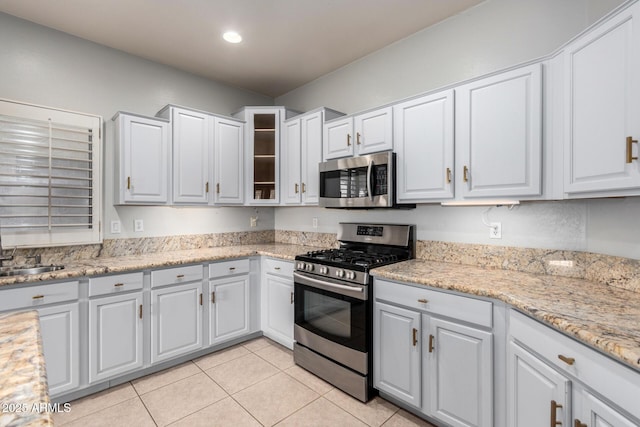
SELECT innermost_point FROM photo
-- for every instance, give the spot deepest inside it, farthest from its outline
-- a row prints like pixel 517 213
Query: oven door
pixel 332 310
pixel 357 182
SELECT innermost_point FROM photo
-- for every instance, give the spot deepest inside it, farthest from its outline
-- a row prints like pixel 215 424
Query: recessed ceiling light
pixel 232 37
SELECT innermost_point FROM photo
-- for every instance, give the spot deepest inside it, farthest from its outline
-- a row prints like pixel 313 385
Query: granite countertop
pixel 24 395
pixel 107 265
pixel 604 317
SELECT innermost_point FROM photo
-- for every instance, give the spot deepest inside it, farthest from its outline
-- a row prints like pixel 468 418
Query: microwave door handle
pixel 369 186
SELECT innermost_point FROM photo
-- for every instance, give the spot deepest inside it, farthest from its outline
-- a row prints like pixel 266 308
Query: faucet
pixel 5 257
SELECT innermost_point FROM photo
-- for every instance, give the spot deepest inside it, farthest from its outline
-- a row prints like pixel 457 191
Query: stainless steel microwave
pixel 359 182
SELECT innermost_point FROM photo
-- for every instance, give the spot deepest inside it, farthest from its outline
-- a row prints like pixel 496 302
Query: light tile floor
pixel 252 384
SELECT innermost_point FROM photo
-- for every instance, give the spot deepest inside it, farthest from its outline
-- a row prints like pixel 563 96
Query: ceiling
pixel 287 43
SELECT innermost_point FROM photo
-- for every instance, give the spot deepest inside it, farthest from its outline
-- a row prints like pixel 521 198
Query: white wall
pixel 493 35
pixel 47 67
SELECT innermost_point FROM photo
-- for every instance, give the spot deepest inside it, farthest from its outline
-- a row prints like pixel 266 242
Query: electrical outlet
pixel 315 222
pixel 138 225
pixel 253 221
pixel 495 231
pixel 115 227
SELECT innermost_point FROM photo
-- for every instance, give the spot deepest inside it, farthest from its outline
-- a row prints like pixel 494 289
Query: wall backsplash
pixel 605 269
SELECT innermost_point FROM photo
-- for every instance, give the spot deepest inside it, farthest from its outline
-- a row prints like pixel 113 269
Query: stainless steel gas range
pixel 334 303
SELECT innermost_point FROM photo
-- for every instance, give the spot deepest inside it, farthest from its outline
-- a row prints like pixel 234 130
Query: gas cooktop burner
pixel 349 257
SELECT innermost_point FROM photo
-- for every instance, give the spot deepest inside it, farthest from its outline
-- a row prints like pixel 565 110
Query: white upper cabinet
pixel 602 106
pixel 364 133
pixel 311 157
pixel 229 162
pixel 301 154
pixel 192 142
pixel 374 131
pixel 423 138
pixel 291 166
pixel 338 139
pixel 499 134
pixel 142 160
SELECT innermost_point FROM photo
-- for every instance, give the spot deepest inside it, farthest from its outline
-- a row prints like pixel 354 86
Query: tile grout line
pixel 153 420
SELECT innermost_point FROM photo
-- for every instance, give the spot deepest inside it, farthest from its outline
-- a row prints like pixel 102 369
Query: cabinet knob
pixel 423 301
pixel 578 423
pixel 295 188
pixel 140 311
pixel 415 337
pixel 291 297
pixel 348 140
pixel 431 343
pixel 232 268
pixel 358 138
pixel 118 285
pixel 180 276
pixel 206 187
pixel 218 188
pixel 304 188
pixel 465 174
pixel 128 183
pixel 276 268
pixel 213 297
pixel 448 175
pixel 37 297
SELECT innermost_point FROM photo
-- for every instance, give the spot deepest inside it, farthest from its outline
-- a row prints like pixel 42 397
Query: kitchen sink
pixel 21 270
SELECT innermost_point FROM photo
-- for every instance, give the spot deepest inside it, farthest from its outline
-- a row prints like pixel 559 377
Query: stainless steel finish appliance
pixel 359 182
pixel 334 304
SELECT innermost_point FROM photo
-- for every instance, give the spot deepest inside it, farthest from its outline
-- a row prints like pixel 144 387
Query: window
pixel 50 177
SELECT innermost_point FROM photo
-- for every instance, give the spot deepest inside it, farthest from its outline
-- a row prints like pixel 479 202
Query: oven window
pixel 328 314
pixel 336 317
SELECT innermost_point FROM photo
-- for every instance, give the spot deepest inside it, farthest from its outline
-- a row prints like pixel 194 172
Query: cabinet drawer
pixel 435 302
pixel 176 275
pixel 35 296
pixel 279 267
pixel 115 284
pixel 228 268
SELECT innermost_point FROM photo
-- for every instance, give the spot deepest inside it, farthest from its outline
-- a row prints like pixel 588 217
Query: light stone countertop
pixel 24 395
pixel 604 317
pixel 103 265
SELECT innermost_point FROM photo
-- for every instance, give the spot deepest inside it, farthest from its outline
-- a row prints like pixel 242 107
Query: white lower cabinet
pixel 553 380
pixel 443 368
pixel 59 328
pixel 459 374
pixel 59 311
pixel 115 335
pixel 176 320
pixel 278 301
pixel 397 363
pixel 536 391
pixel 229 308
pixel 591 411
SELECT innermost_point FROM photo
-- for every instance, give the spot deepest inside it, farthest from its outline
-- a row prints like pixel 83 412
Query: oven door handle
pixel 369 186
pixel 328 286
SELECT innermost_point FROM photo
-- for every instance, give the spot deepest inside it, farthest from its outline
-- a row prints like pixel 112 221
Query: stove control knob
pixel 340 273
pixel 351 275
pixel 324 270
pixel 309 267
pixel 300 266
